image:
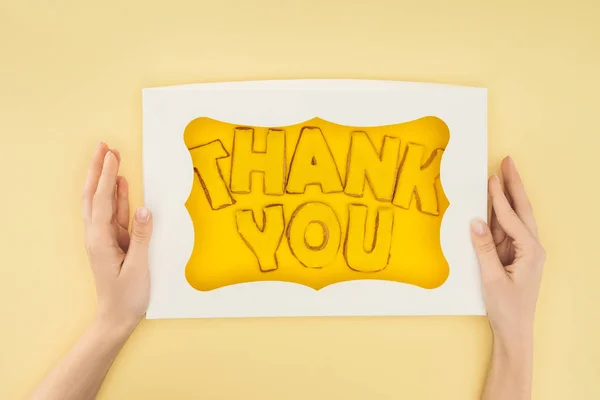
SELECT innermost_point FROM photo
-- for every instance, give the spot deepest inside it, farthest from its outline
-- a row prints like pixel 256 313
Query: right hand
pixel 511 258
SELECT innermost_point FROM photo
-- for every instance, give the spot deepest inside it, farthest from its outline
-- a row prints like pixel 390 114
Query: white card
pixel 286 248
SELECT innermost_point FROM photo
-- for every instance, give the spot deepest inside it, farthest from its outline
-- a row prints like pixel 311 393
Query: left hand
pixel 119 260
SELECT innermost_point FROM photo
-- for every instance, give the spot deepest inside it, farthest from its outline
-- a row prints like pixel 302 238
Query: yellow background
pixel 71 74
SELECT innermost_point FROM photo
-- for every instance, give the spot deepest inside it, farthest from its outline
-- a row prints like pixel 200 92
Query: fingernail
pixel 142 214
pixel 116 153
pixel 100 143
pixel 510 160
pixel 495 177
pixel 478 227
pixel 107 155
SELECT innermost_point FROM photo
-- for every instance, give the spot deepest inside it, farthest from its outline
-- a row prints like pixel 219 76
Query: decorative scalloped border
pixel 284 127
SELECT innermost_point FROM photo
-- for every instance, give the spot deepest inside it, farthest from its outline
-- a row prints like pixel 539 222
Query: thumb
pixel 141 232
pixel 485 248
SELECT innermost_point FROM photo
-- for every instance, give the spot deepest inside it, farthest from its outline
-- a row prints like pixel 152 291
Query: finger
pixel 516 190
pixel 141 232
pixel 117 154
pixel 104 199
pixel 507 217
pixel 485 248
pixel 506 192
pixel 497 232
pixel 91 180
pixel 122 202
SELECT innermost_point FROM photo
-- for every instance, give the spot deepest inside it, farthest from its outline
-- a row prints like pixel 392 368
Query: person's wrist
pixel 115 326
pixel 106 337
pixel 515 344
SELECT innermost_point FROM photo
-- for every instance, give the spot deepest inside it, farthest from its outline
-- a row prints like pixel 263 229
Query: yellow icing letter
pixel 313 164
pixel 205 159
pixel 364 164
pixel 245 160
pixel 314 234
pixel 359 256
pixel 418 180
pixel 262 241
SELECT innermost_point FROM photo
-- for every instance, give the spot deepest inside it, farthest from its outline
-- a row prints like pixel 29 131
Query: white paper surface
pixel 168 176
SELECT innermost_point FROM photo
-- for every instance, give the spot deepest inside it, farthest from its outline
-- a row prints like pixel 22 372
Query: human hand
pixel 119 260
pixel 511 258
